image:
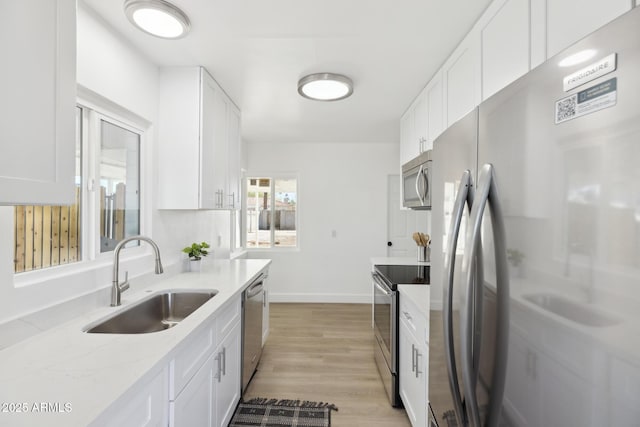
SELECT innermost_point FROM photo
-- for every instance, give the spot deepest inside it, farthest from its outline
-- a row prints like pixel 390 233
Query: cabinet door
pixel 570 20
pixel 233 195
pixel 37 106
pixel 435 109
pixel 194 406
pixel 212 134
pixel 408 148
pixel 413 385
pixel 505 44
pixel 421 121
pixel 461 77
pixel 227 378
pixel 142 406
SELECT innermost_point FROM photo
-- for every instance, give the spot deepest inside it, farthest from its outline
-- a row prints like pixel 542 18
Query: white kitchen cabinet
pixel 504 33
pixel 145 405
pixel 570 20
pixel 205 373
pixel 414 358
pixel 37 106
pixel 234 157
pixel 228 376
pixel 435 108
pixel 197 152
pixel 195 404
pixel 461 78
pixel 413 129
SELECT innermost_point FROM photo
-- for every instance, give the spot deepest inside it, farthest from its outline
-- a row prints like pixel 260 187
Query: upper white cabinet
pixel 435 109
pixel 504 34
pixel 198 153
pixel 570 20
pixel 37 106
pixel 413 129
pixel 461 78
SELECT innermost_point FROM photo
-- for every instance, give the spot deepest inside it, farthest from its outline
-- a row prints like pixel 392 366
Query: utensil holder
pixel 424 253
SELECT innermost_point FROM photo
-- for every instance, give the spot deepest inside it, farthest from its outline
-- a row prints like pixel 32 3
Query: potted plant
pixel 195 252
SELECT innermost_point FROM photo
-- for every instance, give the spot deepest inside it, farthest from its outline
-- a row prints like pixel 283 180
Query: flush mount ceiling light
pixel 158 18
pixel 325 86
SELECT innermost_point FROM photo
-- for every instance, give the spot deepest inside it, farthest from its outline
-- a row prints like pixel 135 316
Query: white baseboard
pixel 321 298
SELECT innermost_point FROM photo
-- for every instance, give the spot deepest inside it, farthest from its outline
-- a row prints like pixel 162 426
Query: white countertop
pixel 397 261
pixel 90 371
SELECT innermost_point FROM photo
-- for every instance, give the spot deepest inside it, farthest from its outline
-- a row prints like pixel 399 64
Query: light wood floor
pixel 324 352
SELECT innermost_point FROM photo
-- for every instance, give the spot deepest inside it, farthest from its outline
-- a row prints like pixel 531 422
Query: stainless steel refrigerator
pixel 536 246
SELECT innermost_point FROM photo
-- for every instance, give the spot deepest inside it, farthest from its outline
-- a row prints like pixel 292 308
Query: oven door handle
pixel 381 285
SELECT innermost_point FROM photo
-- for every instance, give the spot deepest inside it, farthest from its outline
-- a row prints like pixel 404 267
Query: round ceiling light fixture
pixel 158 18
pixel 325 87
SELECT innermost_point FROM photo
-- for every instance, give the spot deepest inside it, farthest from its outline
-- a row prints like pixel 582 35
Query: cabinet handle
pixel 224 360
pixel 418 371
pixel 232 196
pixel 218 375
pixel 413 358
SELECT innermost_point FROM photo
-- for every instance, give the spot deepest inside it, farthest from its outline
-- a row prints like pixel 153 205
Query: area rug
pixel 277 413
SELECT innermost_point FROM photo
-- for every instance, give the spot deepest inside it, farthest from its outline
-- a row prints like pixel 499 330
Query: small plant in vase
pixel 195 252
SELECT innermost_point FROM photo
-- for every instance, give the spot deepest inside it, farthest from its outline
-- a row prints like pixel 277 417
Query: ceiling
pixel 257 50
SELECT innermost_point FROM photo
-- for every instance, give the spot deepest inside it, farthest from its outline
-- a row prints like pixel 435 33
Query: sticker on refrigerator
pixel 595 98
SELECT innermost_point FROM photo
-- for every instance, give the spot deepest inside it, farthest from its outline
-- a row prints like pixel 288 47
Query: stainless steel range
pixel 386 279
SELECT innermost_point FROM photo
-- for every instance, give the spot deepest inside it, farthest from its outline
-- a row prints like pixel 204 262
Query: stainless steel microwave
pixel 416 182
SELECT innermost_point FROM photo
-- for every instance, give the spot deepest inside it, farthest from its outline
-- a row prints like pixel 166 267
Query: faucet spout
pixel 116 287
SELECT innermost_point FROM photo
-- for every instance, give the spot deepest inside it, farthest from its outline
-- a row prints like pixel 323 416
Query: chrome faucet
pixel 118 288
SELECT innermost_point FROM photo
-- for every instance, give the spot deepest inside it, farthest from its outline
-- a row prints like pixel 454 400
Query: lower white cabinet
pixel 195 404
pixel 226 383
pixel 206 373
pixel 414 359
pixel 144 405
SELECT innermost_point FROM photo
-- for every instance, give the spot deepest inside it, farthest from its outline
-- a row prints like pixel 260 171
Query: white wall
pixel 114 71
pixel 342 187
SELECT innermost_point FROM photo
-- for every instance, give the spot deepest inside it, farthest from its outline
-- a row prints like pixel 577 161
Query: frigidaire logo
pixel 592 72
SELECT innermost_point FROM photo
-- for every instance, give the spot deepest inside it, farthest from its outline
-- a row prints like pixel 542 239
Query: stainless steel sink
pixel 572 310
pixel 160 312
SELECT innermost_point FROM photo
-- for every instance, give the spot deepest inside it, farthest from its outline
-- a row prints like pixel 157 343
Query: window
pixel 105 211
pixel 272 212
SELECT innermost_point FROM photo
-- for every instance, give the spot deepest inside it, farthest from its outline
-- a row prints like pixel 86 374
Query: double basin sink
pixel 157 313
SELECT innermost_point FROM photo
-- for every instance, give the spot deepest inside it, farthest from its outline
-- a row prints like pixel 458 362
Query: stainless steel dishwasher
pixel 252 302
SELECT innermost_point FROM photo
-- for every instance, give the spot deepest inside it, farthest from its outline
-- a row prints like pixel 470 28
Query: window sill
pixel 41 276
pixel 273 249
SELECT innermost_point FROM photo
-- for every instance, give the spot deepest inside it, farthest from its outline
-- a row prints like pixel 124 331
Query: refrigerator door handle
pixel 487 194
pixel 464 198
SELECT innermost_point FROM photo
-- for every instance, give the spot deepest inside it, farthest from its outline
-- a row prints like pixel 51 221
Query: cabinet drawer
pixel 414 319
pixel 228 317
pixel 194 352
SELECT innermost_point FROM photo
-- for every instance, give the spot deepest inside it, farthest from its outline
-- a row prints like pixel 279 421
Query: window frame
pixel 272 177
pixel 94 109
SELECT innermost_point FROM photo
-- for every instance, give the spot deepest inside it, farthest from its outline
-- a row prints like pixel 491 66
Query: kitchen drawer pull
pixel 413 358
pixel 224 360
pixel 418 371
pixel 218 375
